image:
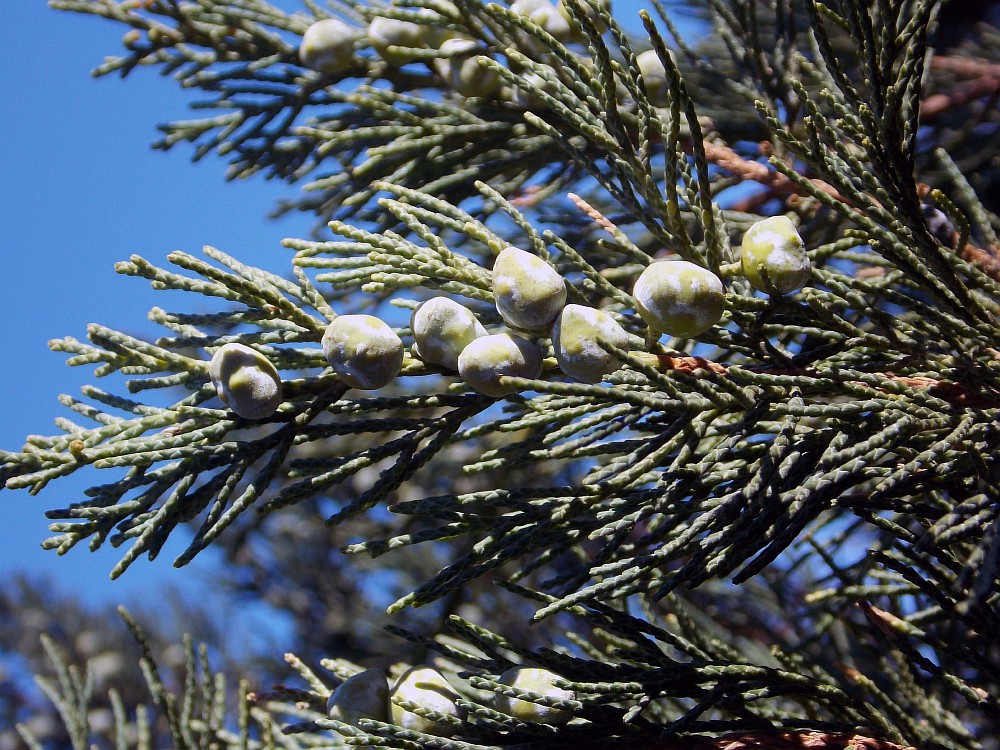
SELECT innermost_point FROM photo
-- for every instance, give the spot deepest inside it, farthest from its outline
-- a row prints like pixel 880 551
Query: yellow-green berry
pixel 773 247
pixel 327 45
pixel 363 350
pixel 679 298
pixel 654 77
pixel 246 381
pixel 427 688
pixel 525 96
pixel 534 680
pixel 364 695
pixel 487 359
pixel 546 15
pixel 575 338
pixel 462 71
pixel 529 292
pixel 391 36
pixel 592 9
pixel 442 328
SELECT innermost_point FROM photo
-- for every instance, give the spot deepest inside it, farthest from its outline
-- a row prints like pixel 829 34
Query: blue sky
pixel 81 189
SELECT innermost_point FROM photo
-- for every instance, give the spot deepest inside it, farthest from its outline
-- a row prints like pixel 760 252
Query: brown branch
pixel 986 262
pixel 726 158
pixel 600 219
pixel 528 197
pixel 986 80
pixel 937 104
pixel 688 365
pixel 966 67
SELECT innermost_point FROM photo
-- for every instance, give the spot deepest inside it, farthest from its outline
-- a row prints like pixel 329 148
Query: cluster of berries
pixel 328 46
pixel 367 695
pixel 676 297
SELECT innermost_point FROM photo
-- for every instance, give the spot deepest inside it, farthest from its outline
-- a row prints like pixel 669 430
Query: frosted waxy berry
pixel 327 45
pixel 427 688
pixel 246 381
pixel 575 337
pixel 654 77
pixel 534 680
pixel 442 328
pixel 384 33
pixel 463 72
pixel 592 9
pixel 679 298
pixel 772 246
pixel 483 362
pixel 529 292
pixel 363 350
pixel 525 97
pixel 364 695
pixel 546 15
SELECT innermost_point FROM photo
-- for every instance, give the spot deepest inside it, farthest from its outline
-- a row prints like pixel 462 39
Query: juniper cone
pixel 364 695
pixel 773 257
pixel 765 514
pixel 245 381
pixel 327 45
pixel 391 37
pixel 420 691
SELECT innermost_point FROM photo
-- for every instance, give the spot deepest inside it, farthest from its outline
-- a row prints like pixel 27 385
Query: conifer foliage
pixel 712 394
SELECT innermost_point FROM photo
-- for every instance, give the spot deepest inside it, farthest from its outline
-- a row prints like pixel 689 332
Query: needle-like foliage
pixel 781 530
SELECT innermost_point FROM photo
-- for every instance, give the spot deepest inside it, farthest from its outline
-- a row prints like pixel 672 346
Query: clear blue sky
pixel 81 189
